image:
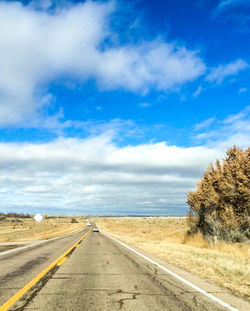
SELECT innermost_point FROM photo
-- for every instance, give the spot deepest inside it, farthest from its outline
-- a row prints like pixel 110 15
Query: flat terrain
pixel 102 275
pixel 15 229
pixel 226 265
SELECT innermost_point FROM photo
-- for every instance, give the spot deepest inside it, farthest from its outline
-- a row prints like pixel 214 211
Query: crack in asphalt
pixel 169 293
pixel 33 291
pixel 121 301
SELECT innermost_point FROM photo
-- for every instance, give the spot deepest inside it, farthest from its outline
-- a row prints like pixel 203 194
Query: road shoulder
pixel 219 292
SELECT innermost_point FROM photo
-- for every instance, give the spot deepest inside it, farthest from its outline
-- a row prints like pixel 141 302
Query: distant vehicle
pixel 88 223
pixel 95 229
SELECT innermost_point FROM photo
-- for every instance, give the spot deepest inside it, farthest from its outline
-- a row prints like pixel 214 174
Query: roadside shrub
pixel 16 220
pixel 16 215
pixel 74 221
pixel 2 218
pixel 220 206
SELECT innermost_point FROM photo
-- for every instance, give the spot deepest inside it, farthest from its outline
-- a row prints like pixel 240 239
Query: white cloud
pixel 225 4
pixel 96 176
pixel 40 47
pixel 242 90
pixel 204 124
pixel 158 64
pixel 198 91
pixel 144 105
pixel 234 130
pixel 219 73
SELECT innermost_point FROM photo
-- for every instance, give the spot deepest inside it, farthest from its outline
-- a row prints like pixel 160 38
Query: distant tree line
pixel 220 206
pixel 16 215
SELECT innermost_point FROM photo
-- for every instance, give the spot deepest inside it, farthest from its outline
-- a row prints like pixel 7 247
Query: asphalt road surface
pixel 99 275
pixel 19 267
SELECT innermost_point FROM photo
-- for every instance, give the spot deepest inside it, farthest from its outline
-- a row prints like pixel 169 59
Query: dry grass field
pixel 226 265
pixel 27 229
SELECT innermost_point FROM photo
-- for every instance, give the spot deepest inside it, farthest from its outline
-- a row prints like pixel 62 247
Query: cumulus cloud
pixel 219 73
pixel 97 175
pixel 94 175
pixel 38 46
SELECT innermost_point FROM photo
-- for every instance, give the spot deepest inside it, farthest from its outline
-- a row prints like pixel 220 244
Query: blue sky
pixel 118 106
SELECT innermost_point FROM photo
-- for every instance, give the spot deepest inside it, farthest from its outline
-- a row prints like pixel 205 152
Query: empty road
pixel 19 267
pixel 99 275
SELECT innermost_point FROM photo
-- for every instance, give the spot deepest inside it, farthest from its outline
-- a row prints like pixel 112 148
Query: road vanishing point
pixel 90 271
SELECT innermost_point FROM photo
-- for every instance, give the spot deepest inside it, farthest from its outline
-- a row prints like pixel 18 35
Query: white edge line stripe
pixel 219 301
pixel 36 243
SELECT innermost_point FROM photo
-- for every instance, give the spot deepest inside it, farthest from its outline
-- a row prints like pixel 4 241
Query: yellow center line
pixel 63 260
pixel 28 286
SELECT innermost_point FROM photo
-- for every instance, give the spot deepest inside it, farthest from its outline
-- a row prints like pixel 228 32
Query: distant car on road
pixel 95 229
pixel 89 223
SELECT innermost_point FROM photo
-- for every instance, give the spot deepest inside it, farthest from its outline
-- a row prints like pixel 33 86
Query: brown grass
pixel 226 265
pixel 27 229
